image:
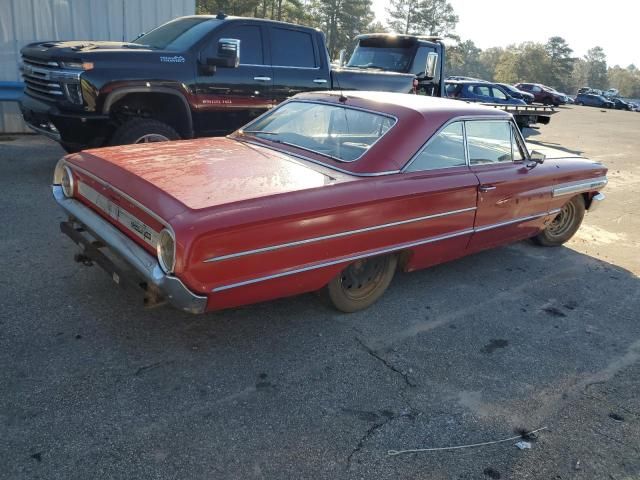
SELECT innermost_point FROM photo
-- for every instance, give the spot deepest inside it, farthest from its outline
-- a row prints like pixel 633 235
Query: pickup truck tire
pixel 143 130
pixel 564 226
pixel 361 283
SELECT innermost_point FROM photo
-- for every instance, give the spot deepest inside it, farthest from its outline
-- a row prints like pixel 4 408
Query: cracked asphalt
pixel 92 385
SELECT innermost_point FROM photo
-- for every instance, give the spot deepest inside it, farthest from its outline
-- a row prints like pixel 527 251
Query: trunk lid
pixel 171 177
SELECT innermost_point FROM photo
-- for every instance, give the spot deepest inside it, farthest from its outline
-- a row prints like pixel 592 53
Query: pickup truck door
pixel 298 65
pixel 230 97
pixel 514 193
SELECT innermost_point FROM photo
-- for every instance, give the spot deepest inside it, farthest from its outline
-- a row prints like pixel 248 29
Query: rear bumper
pixel 92 234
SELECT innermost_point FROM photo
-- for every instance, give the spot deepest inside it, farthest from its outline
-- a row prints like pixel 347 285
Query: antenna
pixel 342 98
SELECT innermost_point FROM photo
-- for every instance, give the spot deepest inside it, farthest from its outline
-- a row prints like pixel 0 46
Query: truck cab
pixel 192 77
pixel 420 56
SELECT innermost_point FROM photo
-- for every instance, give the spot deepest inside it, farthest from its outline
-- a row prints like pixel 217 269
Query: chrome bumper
pixel 596 201
pixel 143 264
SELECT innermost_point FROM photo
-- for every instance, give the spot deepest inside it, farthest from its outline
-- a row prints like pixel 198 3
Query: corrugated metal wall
pixel 25 21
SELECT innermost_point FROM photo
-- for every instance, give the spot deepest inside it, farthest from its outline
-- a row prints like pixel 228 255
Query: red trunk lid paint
pixel 200 173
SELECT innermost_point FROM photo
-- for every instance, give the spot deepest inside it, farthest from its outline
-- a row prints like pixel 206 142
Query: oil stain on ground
pixel 494 344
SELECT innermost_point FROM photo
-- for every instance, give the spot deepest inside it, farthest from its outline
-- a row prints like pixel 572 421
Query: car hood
pixel 170 177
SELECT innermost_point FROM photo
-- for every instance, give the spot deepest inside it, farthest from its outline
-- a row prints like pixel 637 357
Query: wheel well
pixel 168 108
pixel 588 198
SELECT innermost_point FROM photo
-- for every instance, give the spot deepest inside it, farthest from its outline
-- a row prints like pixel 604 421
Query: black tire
pixel 564 226
pixel 70 147
pixel 547 101
pixel 362 283
pixel 143 130
pixel 581 104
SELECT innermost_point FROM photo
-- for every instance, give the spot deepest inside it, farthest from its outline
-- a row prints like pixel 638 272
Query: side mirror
pixel 537 156
pixel 432 65
pixel 341 57
pixel 228 55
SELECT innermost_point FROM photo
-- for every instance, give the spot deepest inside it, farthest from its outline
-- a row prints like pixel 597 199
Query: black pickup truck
pixel 191 77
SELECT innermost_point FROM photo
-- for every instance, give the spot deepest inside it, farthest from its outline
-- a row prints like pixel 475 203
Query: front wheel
pixel 362 283
pixel 564 226
pixel 143 130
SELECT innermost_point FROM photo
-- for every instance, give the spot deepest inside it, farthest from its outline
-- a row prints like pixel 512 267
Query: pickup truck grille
pixel 41 80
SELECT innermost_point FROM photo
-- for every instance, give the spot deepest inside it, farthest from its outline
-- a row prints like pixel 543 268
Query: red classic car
pixel 325 192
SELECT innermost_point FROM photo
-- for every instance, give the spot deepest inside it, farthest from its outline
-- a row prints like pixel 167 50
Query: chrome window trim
pixel 331 104
pixel 460 118
pixel 277 66
pixel 351 258
pixel 431 140
pixel 579 186
pixel 521 141
pixel 318 162
pixel 337 235
pixel 503 162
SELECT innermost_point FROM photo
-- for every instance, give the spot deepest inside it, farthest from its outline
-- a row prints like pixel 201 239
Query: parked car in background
pixel 592 100
pixel 542 94
pixel 484 92
pixel 620 104
pixel 324 192
pixel 515 93
pixel 612 92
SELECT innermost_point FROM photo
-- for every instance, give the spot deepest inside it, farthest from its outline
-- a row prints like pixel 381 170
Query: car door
pixel 298 65
pixel 482 93
pixel 537 93
pixel 498 96
pixel 438 185
pixel 514 193
pixel 230 97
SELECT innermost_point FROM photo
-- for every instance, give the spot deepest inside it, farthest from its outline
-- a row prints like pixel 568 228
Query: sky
pixel 611 24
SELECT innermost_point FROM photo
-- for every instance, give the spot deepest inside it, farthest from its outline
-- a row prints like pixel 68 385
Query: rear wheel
pixel 362 283
pixel 143 130
pixel 564 226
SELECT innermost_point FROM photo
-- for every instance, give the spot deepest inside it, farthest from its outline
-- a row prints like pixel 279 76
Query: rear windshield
pixel 178 35
pixel 395 56
pixel 342 133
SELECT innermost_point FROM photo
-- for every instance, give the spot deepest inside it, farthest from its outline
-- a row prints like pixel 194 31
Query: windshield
pixel 396 59
pixel 178 35
pixel 335 131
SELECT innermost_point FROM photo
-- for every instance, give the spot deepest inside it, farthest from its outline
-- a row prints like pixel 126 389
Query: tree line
pixel 551 63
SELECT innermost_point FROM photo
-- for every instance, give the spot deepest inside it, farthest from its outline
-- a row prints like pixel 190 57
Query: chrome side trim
pixel 337 235
pixel 344 260
pixel 317 162
pixel 581 186
pixel 142 262
pixel 484 228
pixel 381 251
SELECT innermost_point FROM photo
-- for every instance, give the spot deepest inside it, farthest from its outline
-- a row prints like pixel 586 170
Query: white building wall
pixel 26 21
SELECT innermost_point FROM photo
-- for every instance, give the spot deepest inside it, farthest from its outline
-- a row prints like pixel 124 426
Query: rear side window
pixel 482 91
pixel 446 149
pixel 292 48
pixel 489 142
pixel 497 93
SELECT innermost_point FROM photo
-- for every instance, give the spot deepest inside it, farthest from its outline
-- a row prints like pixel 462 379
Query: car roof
pixel 418 118
pixel 404 103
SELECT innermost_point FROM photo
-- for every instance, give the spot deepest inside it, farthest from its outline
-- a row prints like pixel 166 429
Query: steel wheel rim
pixel 361 279
pixel 152 138
pixel 563 222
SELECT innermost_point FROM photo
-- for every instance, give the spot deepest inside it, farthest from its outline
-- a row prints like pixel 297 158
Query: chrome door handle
pixel 262 79
pixel 486 188
pixel 320 80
